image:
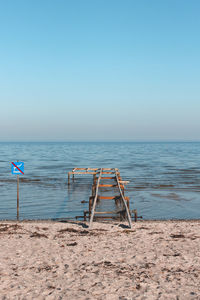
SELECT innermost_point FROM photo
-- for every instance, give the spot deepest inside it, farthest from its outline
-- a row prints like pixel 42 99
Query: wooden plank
pixel 85 169
pixel 104 212
pixel 107 185
pixel 108 212
pixel 102 178
pixel 108 172
pixel 106 217
pixel 124 182
pixel 108 197
pixel 82 173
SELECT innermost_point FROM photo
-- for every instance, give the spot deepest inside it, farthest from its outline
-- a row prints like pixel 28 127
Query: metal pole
pixel 17 197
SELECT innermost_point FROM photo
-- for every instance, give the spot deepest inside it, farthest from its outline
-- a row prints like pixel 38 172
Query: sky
pixel 99 70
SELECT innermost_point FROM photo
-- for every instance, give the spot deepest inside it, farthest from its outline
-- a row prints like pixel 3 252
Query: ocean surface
pixel 164 178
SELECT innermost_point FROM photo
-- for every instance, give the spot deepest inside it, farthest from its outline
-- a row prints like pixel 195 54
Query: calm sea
pixel 164 178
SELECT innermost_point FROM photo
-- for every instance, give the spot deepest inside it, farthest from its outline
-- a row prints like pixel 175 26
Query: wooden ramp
pixel 107 191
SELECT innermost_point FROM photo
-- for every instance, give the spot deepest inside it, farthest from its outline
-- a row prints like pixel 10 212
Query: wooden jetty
pixel 105 181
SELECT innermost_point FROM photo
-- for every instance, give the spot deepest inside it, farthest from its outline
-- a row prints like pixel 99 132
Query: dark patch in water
pixel 161 186
pixel 29 180
pixel 8 180
pixel 50 167
pixel 132 166
pixel 172 196
pixel 151 186
pixel 190 171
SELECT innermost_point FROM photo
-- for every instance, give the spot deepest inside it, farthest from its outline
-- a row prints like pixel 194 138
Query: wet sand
pixel 52 260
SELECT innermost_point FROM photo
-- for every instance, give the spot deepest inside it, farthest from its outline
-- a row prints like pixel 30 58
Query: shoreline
pixel 65 260
pixel 62 220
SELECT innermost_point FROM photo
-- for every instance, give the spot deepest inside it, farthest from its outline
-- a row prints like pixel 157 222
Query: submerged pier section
pixel 107 200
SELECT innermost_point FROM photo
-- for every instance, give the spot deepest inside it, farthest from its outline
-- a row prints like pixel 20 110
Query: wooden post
pixel 93 190
pixel 17 197
pixel 90 204
pixel 122 188
pixel 94 179
pixel 127 201
pixel 68 178
pixel 73 177
pixel 135 215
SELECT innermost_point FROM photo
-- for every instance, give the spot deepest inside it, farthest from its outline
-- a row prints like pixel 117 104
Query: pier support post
pixel 127 201
pixel 122 188
pixel 93 190
pixel 91 199
pixel 68 178
pixel 94 179
pixel 135 215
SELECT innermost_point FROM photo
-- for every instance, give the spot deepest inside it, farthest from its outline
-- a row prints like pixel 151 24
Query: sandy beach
pixel 53 260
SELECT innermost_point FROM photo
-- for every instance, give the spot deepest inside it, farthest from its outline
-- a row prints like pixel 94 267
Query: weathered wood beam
pixel 108 185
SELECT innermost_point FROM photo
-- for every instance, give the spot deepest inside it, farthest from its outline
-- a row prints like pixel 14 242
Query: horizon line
pixel 104 141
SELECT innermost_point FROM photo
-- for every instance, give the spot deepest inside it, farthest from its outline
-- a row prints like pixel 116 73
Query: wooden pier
pixel 105 182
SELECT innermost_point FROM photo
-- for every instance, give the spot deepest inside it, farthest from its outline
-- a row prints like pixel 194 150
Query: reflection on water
pixel 164 178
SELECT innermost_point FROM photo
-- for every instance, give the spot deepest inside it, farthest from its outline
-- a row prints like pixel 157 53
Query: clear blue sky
pixel 99 70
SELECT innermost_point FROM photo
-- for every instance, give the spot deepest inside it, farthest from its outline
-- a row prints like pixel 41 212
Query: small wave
pixel 137 165
pixel 27 180
pixel 172 196
pixel 161 186
pixel 8 180
pixel 191 170
pixel 49 167
pixel 151 186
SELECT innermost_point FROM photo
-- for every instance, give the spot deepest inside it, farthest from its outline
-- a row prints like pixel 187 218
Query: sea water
pixel 164 178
